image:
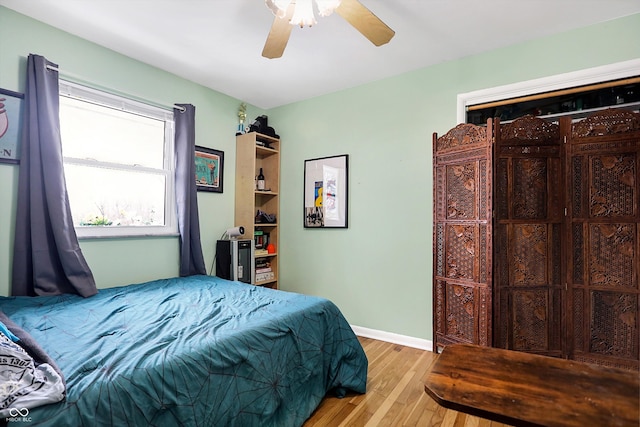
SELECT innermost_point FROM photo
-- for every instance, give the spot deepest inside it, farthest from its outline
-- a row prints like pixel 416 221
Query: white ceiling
pixel 218 43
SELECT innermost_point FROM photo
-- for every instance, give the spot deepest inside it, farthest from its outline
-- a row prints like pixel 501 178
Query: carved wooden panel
pixel 530 185
pixel 528 237
pixel 462 236
pixel 604 222
pixel 530 320
pixel 461 196
pixel 611 255
pixel 461 251
pixel 461 312
pixel 439 250
pixel 612 185
pixel 502 199
pixel 530 131
pixel 608 122
pixel 439 313
pixel 614 330
pixel 529 257
pixel 485 315
pixel 460 137
pixel 576 334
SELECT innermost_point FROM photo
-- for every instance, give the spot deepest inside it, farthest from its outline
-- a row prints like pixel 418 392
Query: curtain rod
pixel 80 79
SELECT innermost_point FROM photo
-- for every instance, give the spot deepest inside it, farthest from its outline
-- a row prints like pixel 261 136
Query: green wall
pixel 378 271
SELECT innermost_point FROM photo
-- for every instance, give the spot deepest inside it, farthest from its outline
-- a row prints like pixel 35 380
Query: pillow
pixel 28 376
pixel 30 345
pixel 8 333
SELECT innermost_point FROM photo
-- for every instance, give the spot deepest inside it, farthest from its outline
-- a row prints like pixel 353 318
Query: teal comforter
pixel 196 351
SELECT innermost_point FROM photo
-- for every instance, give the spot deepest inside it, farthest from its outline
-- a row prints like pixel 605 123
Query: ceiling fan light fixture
pixel 300 12
pixel 303 14
pixel 326 7
pixel 278 7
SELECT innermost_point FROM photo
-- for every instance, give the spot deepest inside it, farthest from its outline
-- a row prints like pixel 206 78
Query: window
pixel 118 163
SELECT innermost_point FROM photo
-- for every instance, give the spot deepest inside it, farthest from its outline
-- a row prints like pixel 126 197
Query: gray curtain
pixel 47 259
pixel 191 259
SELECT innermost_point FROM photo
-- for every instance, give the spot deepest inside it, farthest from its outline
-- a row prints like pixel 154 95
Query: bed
pixel 196 351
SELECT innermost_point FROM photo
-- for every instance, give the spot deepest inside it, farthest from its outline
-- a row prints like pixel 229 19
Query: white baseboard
pixel 405 340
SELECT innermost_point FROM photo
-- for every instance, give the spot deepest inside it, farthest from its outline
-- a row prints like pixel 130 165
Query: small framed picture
pixel 209 169
pixel 11 104
pixel 326 188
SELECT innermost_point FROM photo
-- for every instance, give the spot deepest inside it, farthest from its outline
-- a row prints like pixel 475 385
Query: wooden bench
pixel 524 389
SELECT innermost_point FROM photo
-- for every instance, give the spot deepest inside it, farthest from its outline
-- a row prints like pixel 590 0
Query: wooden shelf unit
pixel 250 157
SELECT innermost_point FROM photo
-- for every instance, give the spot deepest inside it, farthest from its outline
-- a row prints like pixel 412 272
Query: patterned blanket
pixel 196 351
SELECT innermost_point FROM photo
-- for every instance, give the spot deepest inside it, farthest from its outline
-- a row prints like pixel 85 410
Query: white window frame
pixel 95 96
pixel 618 70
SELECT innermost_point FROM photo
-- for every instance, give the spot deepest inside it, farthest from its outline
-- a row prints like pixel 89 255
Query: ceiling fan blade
pixel 278 35
pixel 363 20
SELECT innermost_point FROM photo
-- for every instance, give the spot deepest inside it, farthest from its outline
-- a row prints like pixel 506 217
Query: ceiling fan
pixel 300 12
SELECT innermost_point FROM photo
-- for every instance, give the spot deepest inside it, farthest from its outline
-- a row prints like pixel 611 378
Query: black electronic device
pixel 235 260
pixel 261 125
pixel 263 217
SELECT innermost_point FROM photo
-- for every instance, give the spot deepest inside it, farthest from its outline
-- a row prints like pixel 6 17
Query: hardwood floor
pixel 395 394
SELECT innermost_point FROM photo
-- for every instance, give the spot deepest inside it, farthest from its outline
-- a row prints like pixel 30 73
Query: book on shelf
pixel 261 277
pixel 262 263
pixel 261 239
pixel 259 252
pixel 258 237
pixel 263 270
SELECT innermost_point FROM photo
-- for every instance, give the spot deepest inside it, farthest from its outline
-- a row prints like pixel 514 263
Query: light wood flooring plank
pixel 395 394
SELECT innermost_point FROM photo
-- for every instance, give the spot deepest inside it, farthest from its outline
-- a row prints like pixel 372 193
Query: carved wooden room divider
pixel 537 237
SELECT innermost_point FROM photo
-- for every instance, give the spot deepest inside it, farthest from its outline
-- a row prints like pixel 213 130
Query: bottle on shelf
pixel 260 180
